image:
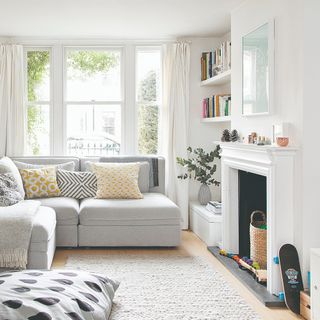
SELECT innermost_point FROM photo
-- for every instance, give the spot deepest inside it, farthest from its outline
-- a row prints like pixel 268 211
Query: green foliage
pixel 37 64
pixel 148 87
pixel 87 63
pixel 148 115
pixel 148 129
pixel 200 165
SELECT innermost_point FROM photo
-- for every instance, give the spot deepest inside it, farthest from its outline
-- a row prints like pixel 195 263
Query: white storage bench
pixel 206 225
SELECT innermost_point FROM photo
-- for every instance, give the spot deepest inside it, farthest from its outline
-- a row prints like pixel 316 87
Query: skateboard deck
pixel 291 276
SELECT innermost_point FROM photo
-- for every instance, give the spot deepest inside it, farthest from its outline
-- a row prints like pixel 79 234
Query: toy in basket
pixel 247 264
pixel 258 238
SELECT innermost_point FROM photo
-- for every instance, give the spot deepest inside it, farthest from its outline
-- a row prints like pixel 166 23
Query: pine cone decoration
pixel 234 136
pixel 225 136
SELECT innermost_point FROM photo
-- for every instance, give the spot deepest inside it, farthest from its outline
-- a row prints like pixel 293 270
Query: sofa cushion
pixel 153 209
pixel 49 160
pixel 44 225
pixel 66 209
pixel 144 173
pixel 78 185
pixel 117 180
pixel 40 183
pixel 8 166
pixel 70 165
pixel 9 190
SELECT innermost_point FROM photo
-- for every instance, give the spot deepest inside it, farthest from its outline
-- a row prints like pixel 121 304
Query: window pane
pixel 38 64
pixel 38 140
pixel 148 117
pixel 93 129
pixel 148 75
pixel 93 75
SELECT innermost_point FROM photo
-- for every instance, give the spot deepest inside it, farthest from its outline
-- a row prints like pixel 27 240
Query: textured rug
pixel 166 287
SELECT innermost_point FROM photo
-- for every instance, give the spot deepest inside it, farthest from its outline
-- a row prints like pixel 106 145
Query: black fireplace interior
pixel 252 196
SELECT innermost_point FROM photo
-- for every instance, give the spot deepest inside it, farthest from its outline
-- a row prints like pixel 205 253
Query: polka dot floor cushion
pixel 57 294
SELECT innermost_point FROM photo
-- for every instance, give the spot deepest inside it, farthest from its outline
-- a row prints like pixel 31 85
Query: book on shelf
pixel 216 106
pixel 216 61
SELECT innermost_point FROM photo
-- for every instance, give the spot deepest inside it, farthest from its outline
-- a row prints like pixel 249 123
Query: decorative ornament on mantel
pixel 200 166
pixel 234 136
pixel 225 136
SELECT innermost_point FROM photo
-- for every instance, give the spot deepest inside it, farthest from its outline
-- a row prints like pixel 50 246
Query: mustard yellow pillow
pixel 40 183
pixel 117 180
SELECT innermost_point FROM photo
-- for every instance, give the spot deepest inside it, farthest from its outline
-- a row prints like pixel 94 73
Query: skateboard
pixel 291 276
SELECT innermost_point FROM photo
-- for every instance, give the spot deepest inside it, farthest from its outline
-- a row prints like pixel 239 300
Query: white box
pixel 205 224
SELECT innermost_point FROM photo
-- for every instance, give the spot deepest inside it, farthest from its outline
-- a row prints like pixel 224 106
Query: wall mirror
pixel 257 72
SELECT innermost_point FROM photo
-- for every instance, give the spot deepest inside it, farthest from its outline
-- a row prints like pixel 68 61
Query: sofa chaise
pixel 67 222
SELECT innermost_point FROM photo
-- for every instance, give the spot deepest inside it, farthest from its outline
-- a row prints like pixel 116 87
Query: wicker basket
pixel 258 238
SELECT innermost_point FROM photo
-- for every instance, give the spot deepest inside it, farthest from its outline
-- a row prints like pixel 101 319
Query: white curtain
pixel 175 121
pixel 12 108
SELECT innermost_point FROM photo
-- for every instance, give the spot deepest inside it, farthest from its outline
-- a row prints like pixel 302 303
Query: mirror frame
pixel 271 53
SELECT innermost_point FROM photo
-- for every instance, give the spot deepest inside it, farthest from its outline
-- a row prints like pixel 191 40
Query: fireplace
pixel 273 167
pixel 252 197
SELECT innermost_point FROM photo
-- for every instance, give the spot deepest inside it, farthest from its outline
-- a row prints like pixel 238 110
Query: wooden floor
pixel 193 246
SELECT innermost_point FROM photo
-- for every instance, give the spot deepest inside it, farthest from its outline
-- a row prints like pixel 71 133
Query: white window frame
pixel 41 102
pixel 129 111
pixel 100 102
pixel 150 48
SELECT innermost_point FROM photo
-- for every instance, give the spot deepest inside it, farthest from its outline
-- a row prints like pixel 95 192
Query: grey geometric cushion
pixel 9 191
pixel 78 185
pixel 70 166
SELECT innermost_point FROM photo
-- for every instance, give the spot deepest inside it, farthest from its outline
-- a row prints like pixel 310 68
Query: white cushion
pixel 70 165
pixel 66 209
pixel 153 209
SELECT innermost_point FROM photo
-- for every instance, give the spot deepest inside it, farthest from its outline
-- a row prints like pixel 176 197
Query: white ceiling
pixel 120 19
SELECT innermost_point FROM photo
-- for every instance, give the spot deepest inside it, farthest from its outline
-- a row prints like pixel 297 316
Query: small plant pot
pixel 282 141
pixel 204 194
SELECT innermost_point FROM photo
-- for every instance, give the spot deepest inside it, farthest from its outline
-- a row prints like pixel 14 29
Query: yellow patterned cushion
pixel 117 180
pixel 40 183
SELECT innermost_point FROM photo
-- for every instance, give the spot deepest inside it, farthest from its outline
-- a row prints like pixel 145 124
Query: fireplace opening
pixel 252 196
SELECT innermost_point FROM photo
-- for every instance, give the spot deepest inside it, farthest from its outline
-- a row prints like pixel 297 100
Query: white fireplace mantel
pixel 277 165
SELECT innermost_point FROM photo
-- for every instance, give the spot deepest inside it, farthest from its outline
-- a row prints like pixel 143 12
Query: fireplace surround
pixel 277 165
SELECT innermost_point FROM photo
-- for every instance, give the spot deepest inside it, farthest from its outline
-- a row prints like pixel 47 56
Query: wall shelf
pixel 216 119
pixel 222 78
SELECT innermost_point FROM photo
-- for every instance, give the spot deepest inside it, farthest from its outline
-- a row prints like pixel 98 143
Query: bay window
pixel 93 101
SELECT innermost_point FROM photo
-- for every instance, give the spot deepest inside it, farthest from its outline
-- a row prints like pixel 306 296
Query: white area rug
pixel 166 287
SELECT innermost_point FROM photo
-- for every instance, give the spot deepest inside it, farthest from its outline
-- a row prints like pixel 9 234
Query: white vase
pixel 204 194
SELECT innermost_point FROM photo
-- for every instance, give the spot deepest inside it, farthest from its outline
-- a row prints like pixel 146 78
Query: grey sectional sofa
pixel 151 221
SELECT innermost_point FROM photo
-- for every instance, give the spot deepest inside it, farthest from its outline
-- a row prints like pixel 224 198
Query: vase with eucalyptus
pixel 201 166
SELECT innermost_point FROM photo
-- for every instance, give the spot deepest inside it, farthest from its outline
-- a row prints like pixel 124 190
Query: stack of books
pixel 214 207
pixel 216 106
pixel 216 61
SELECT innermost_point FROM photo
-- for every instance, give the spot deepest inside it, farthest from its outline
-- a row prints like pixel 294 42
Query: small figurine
pixel 225 136
pixel 234 136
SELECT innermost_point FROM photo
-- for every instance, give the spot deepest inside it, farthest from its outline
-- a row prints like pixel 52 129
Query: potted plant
pixel 200 166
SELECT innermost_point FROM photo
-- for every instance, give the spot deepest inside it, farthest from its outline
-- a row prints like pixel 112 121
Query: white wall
pixel 203 134
pixel 287 86
pixel 297 71
pixel 311 118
